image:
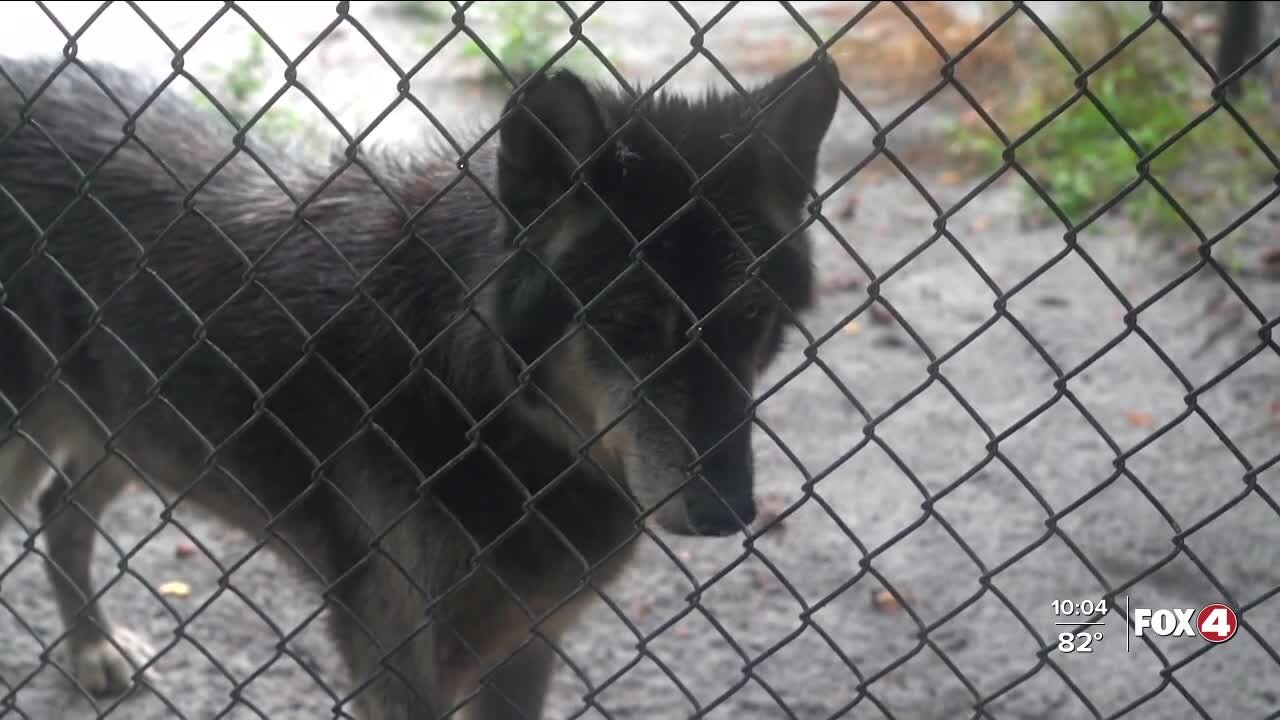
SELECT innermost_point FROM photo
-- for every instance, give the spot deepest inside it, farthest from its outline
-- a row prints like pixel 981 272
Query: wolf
pixel 451 385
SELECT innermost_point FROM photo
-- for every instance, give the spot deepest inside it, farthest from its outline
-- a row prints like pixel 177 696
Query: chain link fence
pixel 927 370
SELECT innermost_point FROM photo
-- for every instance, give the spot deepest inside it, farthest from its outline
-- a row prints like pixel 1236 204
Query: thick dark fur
pixel 335 365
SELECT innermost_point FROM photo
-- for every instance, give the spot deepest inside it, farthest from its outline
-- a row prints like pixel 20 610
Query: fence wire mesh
pixel 913 377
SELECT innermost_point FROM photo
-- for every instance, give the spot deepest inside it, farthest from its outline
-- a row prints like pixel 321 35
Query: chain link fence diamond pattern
pixel 980 414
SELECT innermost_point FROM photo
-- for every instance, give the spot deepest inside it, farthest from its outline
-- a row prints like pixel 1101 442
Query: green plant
pixel 239 90
pixel 237 84
pixel 1151 93
pixel 525 36
pixel 424 11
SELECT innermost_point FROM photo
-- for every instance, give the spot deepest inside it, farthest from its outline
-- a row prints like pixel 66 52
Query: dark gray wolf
pixel 452 387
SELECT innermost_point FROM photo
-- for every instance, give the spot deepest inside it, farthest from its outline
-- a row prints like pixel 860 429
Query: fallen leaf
pixel 1271 259
pixel 768 509
pixel 680 631
pixel 175 588
pixel 185 549
pixel 891 341
pixel 848 209
pixel 853 328
pixel 766 581
pixel 1138 418
pixel 842 283
pixel 981 223
pixel 949 177
pixel 639 609
pixel 683 556
pixel 880 315
pixel 884 601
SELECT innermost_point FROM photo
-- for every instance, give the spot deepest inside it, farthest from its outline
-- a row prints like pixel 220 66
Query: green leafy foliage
pixel 425 11
pixel 238 88
pixel 1150 91
pixel 525 36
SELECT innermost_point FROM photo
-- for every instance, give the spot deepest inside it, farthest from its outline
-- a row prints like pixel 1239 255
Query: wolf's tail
pixel 94 134
pixel 94 114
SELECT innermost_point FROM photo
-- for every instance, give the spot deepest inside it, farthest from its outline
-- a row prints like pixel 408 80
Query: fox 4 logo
pixel 1215 623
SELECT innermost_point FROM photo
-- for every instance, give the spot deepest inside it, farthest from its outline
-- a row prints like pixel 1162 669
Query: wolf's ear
pixel 797 109
pixel 551 125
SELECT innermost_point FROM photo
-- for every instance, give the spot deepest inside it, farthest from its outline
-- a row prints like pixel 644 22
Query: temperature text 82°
pixel 1081 642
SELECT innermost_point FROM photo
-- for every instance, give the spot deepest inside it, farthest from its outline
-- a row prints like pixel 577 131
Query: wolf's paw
pixel 106 668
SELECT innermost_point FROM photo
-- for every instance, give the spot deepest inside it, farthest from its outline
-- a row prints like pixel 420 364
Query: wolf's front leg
pixel 104 656
pixel 380 624
pixel 517 690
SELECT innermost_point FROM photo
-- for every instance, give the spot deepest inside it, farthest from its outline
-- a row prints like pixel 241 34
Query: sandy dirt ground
pixel 976 463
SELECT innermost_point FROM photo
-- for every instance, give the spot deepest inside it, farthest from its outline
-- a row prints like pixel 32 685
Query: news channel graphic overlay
pixel 1082 627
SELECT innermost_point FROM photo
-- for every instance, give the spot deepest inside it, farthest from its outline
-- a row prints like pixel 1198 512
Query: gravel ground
pixel 922 501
